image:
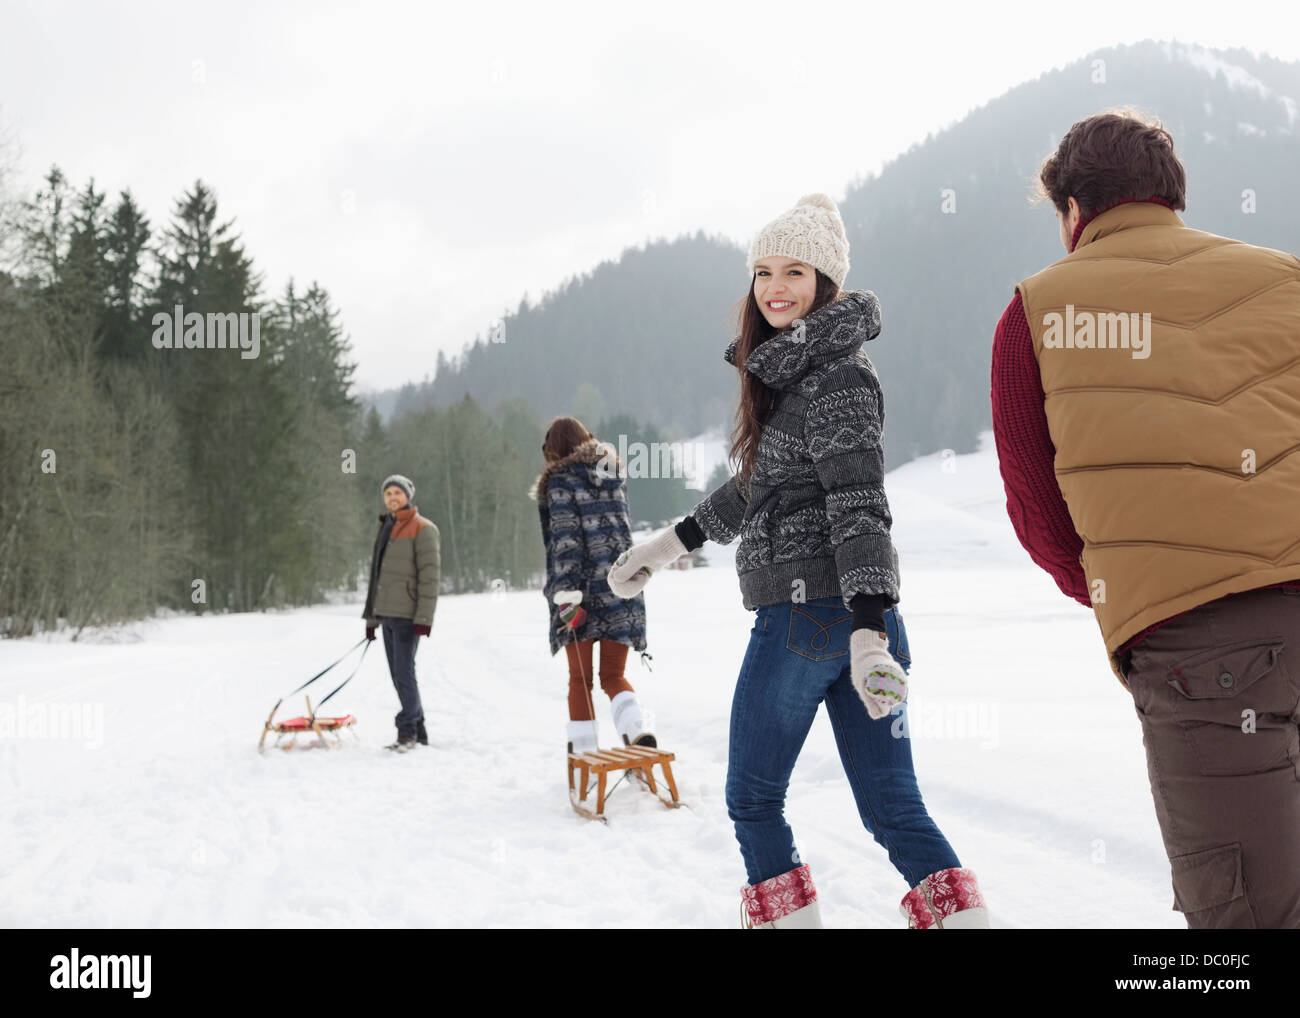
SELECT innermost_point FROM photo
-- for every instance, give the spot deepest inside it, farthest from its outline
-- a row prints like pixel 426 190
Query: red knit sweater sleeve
pixel 1026 456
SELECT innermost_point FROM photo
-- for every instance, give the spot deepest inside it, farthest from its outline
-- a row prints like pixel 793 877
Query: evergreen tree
pixel 126 240
pixel 238 419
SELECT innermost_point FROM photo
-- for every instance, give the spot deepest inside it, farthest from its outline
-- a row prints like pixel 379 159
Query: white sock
pixel 628 719
pixel 583 736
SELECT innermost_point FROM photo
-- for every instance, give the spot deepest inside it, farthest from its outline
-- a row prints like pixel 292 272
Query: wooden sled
pixel 601 762
pixel 301 725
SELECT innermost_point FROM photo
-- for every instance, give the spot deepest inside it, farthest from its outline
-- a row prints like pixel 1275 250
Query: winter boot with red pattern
pixel 787 901
pixel 947 900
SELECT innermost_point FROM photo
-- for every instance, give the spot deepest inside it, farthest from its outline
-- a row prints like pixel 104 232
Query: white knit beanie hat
pixel 811 232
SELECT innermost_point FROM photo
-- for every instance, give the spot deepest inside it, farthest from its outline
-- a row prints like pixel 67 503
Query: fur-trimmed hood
pixel 597 461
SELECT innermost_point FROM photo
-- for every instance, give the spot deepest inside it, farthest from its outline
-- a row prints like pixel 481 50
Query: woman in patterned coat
pixel 582 500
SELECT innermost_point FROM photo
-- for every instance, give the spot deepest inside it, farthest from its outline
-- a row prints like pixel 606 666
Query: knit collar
pixel 832 331
pixel 1154 211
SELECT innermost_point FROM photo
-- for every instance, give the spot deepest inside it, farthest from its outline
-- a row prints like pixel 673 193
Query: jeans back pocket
pixel 819 630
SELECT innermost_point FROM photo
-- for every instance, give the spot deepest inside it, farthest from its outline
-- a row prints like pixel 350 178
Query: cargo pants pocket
pixel 1209 890
pixel 1236 706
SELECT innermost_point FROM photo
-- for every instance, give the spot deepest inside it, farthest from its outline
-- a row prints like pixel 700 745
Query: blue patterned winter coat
pixel 582 501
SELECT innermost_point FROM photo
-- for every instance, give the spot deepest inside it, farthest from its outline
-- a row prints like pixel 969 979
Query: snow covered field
pixel 154 809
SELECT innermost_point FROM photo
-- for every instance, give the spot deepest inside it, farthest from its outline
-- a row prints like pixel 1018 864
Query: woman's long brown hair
pixel 756 397
pixel 563 435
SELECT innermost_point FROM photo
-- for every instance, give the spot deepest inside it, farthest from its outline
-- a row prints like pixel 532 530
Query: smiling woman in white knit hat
pixel 817 564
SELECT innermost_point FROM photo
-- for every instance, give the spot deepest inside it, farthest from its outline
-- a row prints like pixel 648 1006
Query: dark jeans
pixel 400 643
pixel 798 657
pixel 1217 691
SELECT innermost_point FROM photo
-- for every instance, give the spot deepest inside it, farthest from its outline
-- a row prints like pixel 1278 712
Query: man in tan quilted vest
pixel 1146 407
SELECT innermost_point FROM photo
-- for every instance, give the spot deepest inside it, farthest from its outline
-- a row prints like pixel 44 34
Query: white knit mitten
pixel 878 678
pixel 631 570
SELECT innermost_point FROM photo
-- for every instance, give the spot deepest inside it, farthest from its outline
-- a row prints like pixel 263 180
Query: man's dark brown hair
pixel 1112 156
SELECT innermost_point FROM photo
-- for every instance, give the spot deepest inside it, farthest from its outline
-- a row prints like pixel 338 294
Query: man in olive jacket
pixel 404 576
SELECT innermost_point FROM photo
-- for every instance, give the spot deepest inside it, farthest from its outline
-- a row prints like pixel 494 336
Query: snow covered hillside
pixel 131 793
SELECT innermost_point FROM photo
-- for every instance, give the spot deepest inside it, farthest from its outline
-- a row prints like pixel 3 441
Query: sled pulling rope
pixel 312 721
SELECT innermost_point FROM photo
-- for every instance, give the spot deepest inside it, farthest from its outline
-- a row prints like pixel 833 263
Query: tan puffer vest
pixel 1170 360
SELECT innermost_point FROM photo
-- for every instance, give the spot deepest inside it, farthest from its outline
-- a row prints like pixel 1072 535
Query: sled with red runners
pixel 301 725
pixel 326 729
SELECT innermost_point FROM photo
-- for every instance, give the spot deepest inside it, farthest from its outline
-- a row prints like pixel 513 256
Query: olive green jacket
pixel 405 569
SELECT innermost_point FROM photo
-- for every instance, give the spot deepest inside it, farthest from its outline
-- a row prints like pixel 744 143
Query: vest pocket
pixel 1236 707
pixel 1209 879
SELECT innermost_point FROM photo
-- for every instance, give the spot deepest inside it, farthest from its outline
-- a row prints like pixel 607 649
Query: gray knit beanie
pixel 405 483
pixel 811 232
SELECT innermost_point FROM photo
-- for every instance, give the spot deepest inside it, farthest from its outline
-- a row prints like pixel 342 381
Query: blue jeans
pixel 798 656
pixel 400 643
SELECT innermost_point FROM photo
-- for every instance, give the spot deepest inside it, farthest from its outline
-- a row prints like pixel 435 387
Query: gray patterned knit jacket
pixel 816 509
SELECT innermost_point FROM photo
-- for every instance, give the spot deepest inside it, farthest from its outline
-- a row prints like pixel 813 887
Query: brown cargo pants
pixel 1217 691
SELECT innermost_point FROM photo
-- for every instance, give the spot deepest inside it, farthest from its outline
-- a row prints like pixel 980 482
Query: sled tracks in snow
pixel 638 761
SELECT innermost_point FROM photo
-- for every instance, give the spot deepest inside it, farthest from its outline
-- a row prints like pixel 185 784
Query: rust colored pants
pixel 613 656
pixel 1217 691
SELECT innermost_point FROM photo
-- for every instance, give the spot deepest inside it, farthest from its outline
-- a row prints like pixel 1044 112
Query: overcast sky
pixel 430 163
